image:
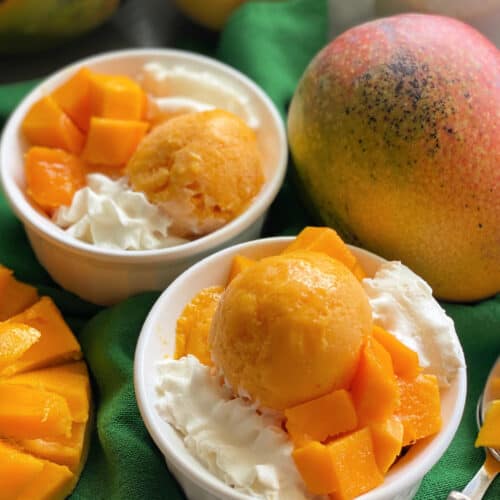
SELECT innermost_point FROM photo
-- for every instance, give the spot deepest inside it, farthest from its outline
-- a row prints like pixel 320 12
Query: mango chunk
pixel 15 296
pixel 46 124
pixel 419 408
pixel 239 264
pixel 387 438
pixel 489 434
pixel 322 417
pixel 67 451
pixel 57 343
pixel 404 360
pixel 326 240
pixel 15 340
pixel 53 483
pixel 17 471
pixel 26 412
pixel 112 142
pixel 73 97
pixel 70 381
pixel 117 97
pixel 316 466
pixel 374 388
pixel 193 325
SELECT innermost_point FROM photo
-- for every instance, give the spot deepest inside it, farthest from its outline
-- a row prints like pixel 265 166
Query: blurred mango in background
pixel 33 25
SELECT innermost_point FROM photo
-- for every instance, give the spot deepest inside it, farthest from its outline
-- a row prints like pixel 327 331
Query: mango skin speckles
pixel 395 135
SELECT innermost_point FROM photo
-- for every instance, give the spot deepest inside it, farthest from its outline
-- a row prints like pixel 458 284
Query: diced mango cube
pixel 73 97
pixel 26 412
pixel 15 296
pixel 374 388
pixel 193 325
pixel 117 97
pixel 322 417
pixel 419 408
pixel 46 124
pixel 404 360
pixel 112 142
pixel 239 264
pixel 387 438
pixel 15 340
pixel 489 435
pixel 57 343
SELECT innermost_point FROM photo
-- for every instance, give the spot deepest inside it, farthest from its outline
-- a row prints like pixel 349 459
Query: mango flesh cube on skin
pixel 387 439
pixel 73 97
pixel 17 470
pixel 404 360
pixel 57 343
pixel 322 417
pixel 46 124
pixel 27 412
pixel 15 340
pixel 117 97
pixel 239 264
pixel 112 142
pixel 315 464
pixel 15 296
pixel 193 325
pixel 374 388
pixel 69 381
pixel 55 482
pixel 420 407
pixel 326 240
pixel 489 434
pixel 63 451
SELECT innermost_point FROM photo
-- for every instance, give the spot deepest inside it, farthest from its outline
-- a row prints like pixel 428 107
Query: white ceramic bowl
pixel 157 340
pixel 107 276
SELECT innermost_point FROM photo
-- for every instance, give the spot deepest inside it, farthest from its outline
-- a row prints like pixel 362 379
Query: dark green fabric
pixel 272 43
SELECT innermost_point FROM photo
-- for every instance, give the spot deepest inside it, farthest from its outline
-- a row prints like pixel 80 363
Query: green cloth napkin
pixel 272 43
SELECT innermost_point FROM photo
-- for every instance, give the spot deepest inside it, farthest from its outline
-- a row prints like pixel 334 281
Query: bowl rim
pixel 412 476
pixel 42 225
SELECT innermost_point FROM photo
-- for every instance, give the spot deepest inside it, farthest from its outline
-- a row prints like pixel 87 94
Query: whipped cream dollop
pixel 402 303
pixel 178 89
pixel 245 449
pixel 109 214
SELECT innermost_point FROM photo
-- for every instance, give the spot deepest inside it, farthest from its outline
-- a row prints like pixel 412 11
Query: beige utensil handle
pixel 476 488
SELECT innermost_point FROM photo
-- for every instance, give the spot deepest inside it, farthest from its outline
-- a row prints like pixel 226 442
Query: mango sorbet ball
pixel 290 328
pixel 203 168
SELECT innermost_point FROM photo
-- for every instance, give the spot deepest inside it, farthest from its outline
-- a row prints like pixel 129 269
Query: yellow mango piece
pixel 15 340
pixel 46 124
pixel 193 325
pixel 26 412
pixel 387 439
pixel 239 264
pixel 15 296
pixel 57 343
pixel 68 451
pixel 55 482
pixel 489 434
pixel 73 97
pixel 374 388
pixel 326 240
pixel 316 466
pixel 17 471
pixel 117 97
pixel 112 142
pixel 356 470
pixel 322 417
pixel 69 380
pixel 419 407
pixel 404 360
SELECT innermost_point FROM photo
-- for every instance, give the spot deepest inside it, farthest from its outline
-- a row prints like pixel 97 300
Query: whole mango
pixel 394 130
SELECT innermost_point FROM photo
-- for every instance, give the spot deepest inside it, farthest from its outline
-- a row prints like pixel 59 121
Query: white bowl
pixel 157 340
pixel 108 276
